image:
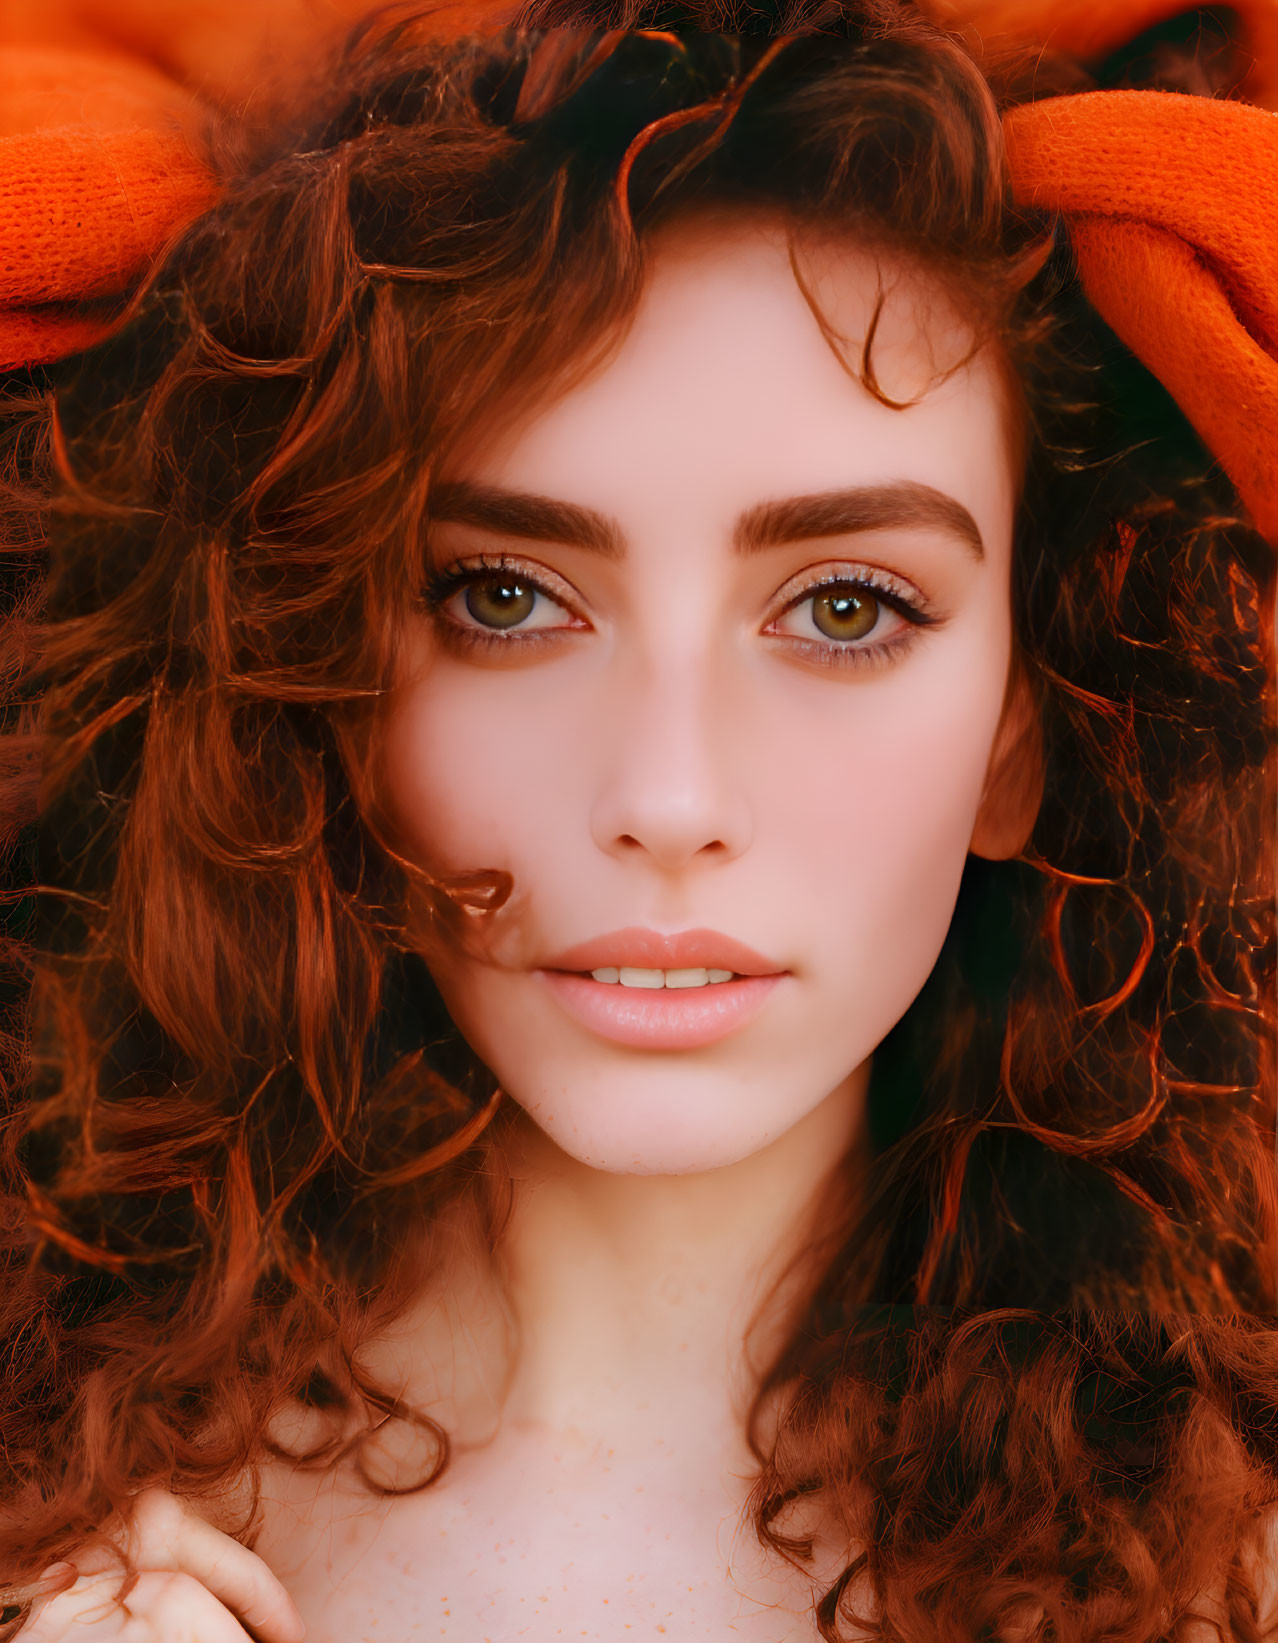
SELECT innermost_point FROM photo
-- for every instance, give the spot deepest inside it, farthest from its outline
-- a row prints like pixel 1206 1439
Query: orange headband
pixel 1172 206
pixel 1171 200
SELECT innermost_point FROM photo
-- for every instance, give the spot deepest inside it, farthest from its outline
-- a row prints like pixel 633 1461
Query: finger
pixel 86 1608
pixel 158 1608
pixel 52 1585
pixel 169 1535
pixel 176 1608
pixel 165 1535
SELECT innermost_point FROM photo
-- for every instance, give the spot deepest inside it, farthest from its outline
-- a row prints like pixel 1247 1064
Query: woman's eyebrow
pixel 901 503
pixel 526 515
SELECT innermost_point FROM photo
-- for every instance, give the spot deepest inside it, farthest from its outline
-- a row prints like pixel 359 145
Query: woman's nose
pixel 673 779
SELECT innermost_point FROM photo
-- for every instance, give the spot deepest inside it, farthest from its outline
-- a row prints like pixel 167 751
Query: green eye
pixel 845 613
pixel 499 602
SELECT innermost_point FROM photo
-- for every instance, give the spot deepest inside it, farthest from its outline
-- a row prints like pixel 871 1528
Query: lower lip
pixel 661 1018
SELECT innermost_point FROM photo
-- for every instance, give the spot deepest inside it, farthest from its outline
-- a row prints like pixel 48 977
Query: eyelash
pixel 440 585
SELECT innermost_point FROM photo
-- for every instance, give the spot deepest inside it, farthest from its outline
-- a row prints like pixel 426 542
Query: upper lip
pixel 650 950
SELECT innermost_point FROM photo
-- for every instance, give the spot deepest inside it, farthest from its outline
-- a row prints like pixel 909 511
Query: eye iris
pixel 499 603
pixel 845 614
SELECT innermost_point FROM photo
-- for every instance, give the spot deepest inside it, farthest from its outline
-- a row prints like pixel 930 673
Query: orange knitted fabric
pixel 101 103
pixel 95 173
pixel 1172 201
pixel 1172 204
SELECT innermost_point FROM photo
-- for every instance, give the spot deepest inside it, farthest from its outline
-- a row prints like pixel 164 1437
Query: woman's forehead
pixel 727 388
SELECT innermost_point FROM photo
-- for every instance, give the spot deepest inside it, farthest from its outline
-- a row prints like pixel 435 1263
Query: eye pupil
pixel 845 614
pixel 498 602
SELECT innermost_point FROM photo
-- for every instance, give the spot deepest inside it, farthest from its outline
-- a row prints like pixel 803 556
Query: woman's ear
pixel 1014 779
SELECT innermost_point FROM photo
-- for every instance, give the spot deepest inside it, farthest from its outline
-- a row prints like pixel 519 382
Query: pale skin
pixel 685 755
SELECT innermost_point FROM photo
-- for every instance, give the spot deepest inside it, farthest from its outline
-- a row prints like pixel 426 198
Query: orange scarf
pixel 1171 200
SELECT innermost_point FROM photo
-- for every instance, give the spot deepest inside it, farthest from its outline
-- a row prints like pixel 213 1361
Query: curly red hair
pixel 1035 1370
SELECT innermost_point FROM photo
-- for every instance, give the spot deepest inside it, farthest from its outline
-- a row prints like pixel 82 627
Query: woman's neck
pixel 634 1294
pixel 630 1308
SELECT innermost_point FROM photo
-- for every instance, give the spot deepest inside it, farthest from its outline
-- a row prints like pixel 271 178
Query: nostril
pixel 671 823
pixel 628 841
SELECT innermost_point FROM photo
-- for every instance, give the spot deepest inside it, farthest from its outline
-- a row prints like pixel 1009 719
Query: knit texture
pixel 1172 204
pixel 99 166
pixel 1171 200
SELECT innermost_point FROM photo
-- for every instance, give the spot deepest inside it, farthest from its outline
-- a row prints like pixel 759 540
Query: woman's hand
pixel 195 1585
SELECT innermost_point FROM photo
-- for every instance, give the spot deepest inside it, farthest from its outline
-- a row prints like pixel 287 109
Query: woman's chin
pixel 655 1155
pixel 664 1126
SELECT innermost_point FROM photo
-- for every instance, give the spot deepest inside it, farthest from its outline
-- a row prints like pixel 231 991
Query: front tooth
pixel 631 977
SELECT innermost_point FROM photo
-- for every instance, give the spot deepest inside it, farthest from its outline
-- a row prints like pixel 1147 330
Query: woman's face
pixel 731 660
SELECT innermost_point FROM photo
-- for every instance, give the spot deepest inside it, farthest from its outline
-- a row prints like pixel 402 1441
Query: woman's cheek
pixel 467 767
pixel 877 841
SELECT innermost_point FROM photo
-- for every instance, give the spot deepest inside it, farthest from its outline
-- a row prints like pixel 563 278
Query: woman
pixel 654 1005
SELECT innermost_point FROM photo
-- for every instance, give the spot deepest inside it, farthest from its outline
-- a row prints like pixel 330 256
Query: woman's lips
pixel 661 1018
pixel 678 1017
pixel 641 948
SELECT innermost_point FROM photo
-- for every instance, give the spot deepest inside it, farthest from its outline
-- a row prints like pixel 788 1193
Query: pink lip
pixel 650 950
pixel 660 1018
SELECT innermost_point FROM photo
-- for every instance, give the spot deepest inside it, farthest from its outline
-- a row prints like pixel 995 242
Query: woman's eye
pixel 844 614
pixel 494 602
pixel 499 601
